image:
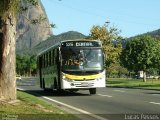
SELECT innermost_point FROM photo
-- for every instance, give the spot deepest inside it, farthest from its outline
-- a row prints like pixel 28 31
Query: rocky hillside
pixel 29 35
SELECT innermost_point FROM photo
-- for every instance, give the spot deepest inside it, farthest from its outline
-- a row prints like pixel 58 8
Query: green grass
pixel 30 107
pixel 134 83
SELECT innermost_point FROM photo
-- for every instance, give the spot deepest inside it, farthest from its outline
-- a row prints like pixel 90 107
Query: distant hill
pixel 71 35
pixel 155 33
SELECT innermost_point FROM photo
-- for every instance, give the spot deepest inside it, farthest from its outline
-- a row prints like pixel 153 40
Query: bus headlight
pixel 64 77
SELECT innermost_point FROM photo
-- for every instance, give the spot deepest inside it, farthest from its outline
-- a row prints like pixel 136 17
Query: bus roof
pixel 81 43
pixel 80 40
pixel 77 42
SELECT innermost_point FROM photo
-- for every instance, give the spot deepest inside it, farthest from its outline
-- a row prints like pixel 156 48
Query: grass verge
pixel 28 107
pixel 134 83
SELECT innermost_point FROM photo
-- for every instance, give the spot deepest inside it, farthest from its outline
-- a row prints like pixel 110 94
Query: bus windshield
pixel 82 59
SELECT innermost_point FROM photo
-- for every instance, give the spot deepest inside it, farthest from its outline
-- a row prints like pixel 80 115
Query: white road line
pixel 119 90
pixel 104 95
pixel 155 103
pixel 74 108
pixel 156 94
pixel 20 89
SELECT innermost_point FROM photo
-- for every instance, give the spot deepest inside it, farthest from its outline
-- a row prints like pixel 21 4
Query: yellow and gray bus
pixel 72 65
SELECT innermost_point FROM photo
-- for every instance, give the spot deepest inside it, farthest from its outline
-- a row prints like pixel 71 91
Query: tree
pixel 140 54
pixel 7 49
pixel 25 64
pixel 110 40
pixel 8 12
pixel 19 64
pixel 33 64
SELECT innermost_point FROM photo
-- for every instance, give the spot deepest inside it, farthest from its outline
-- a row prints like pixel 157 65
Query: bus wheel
pixel 92 91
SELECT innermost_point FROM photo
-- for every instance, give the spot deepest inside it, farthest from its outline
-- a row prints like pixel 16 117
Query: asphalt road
pixel 108 103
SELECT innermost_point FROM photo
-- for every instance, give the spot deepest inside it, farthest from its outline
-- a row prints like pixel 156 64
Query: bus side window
pixel 41 61
pixel 49 58
pixel 44 61
pixel 53 57
pixel 56 56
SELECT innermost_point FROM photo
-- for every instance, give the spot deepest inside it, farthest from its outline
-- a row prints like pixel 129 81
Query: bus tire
pixel 92 91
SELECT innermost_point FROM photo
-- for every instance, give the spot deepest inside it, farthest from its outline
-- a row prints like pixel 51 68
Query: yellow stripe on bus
pixel 84 77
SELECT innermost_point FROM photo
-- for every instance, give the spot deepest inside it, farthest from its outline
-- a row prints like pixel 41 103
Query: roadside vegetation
pixel 152 84
pixel 26 65
pixel 29 107
pixel 127 57
pixel 141 54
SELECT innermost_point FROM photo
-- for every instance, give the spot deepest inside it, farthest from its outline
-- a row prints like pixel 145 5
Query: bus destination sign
pixel 81 44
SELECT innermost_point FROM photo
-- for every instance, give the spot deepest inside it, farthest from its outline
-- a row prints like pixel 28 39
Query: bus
pixel 72 65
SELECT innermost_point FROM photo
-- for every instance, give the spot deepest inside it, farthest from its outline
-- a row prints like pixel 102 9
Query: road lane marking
pixel 156 94
pixel 105 95
pixel 155 103
pixel 74 108
pixel 119 90
pixel 20 89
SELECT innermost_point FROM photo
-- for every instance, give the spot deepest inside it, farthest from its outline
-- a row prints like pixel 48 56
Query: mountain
pixel 71 35
pixel 29 35
pixel 155 33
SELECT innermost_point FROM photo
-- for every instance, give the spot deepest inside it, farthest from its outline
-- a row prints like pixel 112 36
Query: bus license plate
pixel 84 84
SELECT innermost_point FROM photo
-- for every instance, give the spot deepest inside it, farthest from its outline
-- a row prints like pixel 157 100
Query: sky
pixel 131 17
